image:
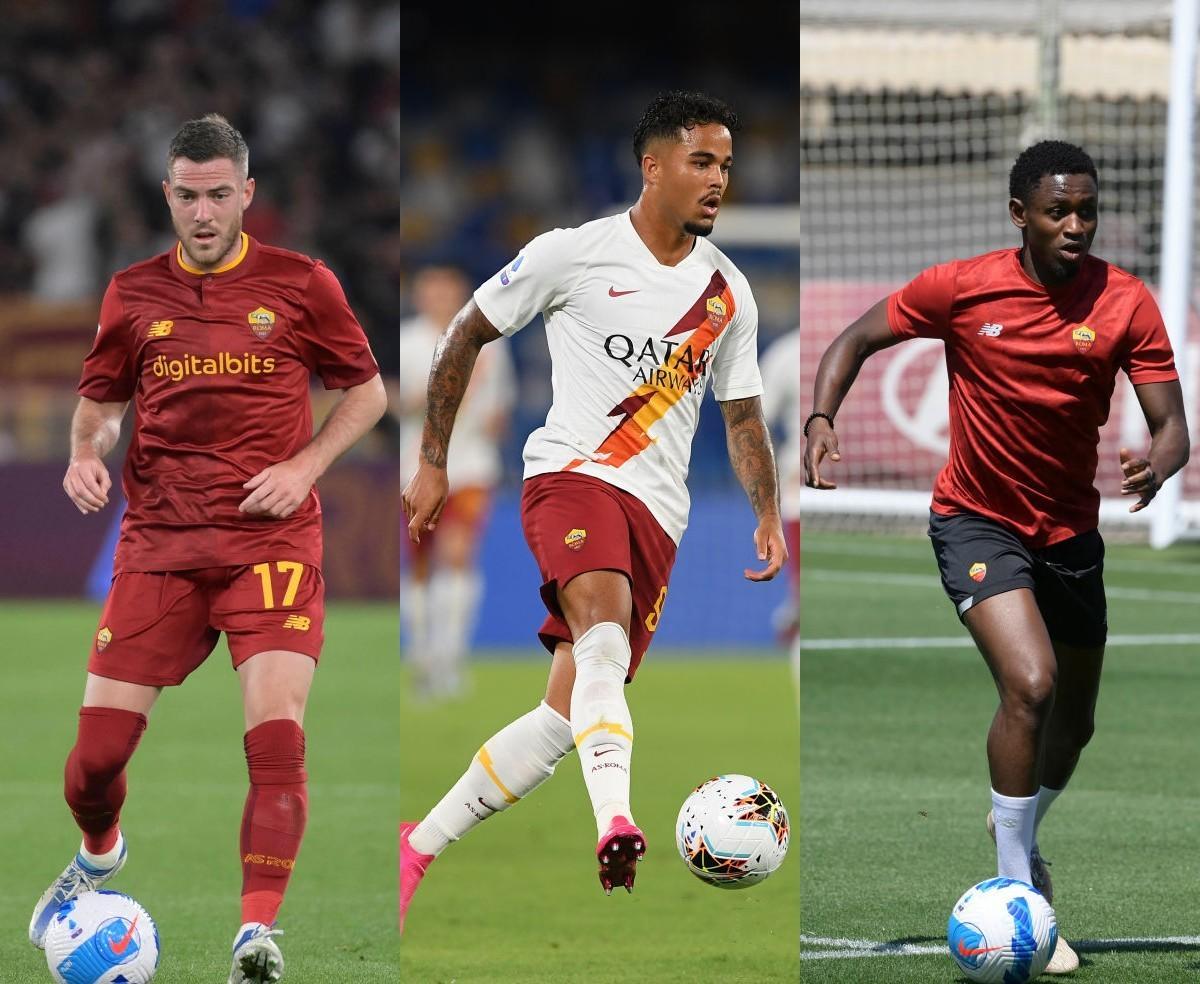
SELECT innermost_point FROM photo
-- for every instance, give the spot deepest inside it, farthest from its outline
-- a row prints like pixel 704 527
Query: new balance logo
pixel 160 329
pixel 301 622
pixel 991 329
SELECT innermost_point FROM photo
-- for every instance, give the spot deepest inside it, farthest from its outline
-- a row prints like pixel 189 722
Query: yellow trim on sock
pixel 486 761
pixel 612 729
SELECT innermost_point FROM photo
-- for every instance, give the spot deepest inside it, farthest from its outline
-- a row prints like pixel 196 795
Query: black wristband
pixel 813 416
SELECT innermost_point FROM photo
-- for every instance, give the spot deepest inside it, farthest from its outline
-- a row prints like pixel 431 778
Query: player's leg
pixel 508 767
pixel 455 586
pixel 1010 633
pixel 418 613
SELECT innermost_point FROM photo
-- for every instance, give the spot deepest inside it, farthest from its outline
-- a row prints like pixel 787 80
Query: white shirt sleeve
pixel 538 280
pixel 735 365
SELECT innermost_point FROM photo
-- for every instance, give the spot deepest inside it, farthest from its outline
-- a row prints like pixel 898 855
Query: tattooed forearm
pixel 453 361
pixel 751 454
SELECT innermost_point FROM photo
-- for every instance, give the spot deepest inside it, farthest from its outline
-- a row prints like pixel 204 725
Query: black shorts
pixel 979 558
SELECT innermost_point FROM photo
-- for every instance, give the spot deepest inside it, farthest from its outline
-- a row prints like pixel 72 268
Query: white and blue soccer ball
pixel 102 938
pixel 732 831
pixel 1002 931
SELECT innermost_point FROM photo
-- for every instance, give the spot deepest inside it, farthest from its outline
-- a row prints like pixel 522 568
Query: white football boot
pixel 78 877
pixel 256 956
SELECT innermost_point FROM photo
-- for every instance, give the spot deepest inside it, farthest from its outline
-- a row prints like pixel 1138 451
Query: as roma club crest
pixel 717 312
pixel 977 572
pixel 575 539
pixel 1083 337
pixel 262 322
pixel 103 638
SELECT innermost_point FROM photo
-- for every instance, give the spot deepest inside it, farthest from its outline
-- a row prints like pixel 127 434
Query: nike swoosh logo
pixel 603 751
pixel 122 944
pixel 974 951
pixel 613 292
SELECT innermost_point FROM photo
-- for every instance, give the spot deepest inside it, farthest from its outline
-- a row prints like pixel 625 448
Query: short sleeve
pixel 539 279
pixel 332 342
pixel 109 371
pixel 921 309
pixel 1150 358
pixel 735 365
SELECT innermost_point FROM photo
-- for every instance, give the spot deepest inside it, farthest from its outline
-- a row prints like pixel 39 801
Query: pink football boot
pixel 413 865
pixel 618 852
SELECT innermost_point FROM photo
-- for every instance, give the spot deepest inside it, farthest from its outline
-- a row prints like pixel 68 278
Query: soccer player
pixel 642 312
pixel 1034 338
pixel 439 596
pixel 214 342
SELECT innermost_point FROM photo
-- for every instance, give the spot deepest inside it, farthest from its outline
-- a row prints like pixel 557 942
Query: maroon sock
pixel 94 778
pixel 274 818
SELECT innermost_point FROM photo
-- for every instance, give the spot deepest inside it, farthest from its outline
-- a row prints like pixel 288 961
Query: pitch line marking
pixel 964 642
pixel 852 949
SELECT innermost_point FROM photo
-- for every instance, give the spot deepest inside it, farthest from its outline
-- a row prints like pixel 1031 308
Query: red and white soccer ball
pixel 732 831
pixel 104 938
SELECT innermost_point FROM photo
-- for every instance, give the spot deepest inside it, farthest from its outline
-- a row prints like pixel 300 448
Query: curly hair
pixel 208 138
pixel 670 112
pixel 1047 157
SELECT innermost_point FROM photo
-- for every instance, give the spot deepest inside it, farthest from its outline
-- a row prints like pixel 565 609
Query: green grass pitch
pixel 518 900
pixel 895 784
pixel 187 785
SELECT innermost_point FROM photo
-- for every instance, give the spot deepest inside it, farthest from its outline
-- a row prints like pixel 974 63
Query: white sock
pixel 601 721
pixel 454 602
pixel 414 609
pixel 1045 799
pixel 510 765
pixel 1014 816
pixel 106 860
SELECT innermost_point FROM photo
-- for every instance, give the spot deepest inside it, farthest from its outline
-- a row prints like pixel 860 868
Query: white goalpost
pixel 910 118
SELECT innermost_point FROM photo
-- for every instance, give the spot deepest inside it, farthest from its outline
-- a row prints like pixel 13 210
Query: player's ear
pixel 248 193
pixel 650 169
pixel 1016 212
pixel 167 190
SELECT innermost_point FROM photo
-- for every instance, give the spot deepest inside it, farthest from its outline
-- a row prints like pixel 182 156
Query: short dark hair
pixel 1047 157
pixel 670 112
pixel 208 138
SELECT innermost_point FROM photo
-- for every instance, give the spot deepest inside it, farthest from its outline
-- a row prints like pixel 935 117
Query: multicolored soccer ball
pixel 732 831
pixel 102 938
pixel 1002 931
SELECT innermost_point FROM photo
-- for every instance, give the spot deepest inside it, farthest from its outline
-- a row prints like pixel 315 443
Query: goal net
pixel 908 130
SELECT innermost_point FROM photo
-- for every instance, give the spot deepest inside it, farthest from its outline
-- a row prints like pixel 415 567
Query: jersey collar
pixel 237 262
pixel 649 256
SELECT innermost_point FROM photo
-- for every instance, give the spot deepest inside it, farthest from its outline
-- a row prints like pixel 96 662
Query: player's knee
pixel 1031 693
pixel 106 741
pixel 605 646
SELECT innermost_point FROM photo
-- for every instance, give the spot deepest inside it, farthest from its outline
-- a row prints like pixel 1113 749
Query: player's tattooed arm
pixel 453 361
pixel 95 429
pixel 753 462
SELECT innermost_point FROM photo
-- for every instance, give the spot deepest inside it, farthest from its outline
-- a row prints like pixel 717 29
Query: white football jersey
pixel 633 345
pixel 473 458
pixel 781 403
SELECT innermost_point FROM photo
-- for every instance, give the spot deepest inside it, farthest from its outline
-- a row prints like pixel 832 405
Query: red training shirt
pixel 1032 371
pixel 218 368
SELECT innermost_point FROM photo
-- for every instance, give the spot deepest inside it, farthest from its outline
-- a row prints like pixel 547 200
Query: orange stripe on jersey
pixel 677 373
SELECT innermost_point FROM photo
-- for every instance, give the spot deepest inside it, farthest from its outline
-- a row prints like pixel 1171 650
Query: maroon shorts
pixel 791 536
pixel 157 627
pixel 576 523
pixel 467 507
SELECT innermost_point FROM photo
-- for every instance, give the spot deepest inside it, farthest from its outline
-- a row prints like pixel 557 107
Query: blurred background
pixel 90 95
pixel 528 127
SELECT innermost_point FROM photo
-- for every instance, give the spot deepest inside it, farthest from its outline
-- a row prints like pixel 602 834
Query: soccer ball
pixel 1002 930
pixel 103 938
pixel 732 831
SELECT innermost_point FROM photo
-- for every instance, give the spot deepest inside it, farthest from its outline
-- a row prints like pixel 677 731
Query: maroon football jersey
pixel 218 367
pixel 1032 371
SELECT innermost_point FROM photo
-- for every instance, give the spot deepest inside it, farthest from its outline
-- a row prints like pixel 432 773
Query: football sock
pixel 414 607
pixel 601 722
pixel 274 817
pixel 1045 799
pixel 94 781
pixel 1014 816
pixel 454 597
pixel 510 765
pixel 108 858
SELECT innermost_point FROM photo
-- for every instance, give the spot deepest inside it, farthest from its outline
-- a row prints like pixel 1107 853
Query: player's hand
pixel 423 499
pixel 771 547
pixel 822 441
pixel 278 490
pixel 87 483
pixel 1139 480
